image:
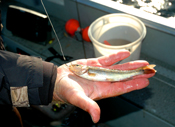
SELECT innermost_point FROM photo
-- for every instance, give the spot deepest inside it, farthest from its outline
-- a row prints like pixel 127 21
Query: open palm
pixel 82 92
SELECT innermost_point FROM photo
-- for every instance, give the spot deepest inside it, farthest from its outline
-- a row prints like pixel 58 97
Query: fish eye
pixel 76 65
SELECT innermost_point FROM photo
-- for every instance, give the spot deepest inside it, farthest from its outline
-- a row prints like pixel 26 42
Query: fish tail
pixel 149 69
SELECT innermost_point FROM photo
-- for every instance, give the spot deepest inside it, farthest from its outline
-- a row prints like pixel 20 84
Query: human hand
pixel 81 92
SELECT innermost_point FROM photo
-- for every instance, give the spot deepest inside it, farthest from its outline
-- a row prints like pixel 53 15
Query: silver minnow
pixel 104 74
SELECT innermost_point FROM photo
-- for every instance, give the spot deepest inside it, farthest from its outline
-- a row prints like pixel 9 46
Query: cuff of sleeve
pixel 49 77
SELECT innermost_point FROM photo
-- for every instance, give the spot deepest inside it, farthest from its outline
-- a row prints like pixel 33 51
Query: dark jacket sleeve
pixel 20 70
pixel 1 42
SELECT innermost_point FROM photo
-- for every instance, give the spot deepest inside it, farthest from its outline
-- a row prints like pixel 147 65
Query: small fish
pixel 104 74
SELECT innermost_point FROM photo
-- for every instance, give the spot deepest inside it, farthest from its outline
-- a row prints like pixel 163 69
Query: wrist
pixel 57 87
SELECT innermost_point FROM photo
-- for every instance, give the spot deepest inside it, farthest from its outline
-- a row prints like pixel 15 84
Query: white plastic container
pixel 122 31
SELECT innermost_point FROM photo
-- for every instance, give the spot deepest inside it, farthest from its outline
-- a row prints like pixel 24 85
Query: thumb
pixel 82 101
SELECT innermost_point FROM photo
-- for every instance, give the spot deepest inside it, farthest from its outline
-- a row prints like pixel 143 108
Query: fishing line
pixel 53 29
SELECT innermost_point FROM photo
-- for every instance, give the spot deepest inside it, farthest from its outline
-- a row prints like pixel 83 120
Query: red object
pixel 85 34
pixel 72 26
pixel 106 42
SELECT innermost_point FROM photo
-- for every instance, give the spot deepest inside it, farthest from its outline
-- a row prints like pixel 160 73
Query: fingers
pixel 113 58
pixel 119 88
pixel 144 76
pixel 128 86
pixel 130 65
pixel 80 100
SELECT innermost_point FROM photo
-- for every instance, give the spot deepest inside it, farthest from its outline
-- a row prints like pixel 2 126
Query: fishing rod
pixel 53 30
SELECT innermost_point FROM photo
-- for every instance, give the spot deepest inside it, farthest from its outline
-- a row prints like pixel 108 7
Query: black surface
pixel 27 25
